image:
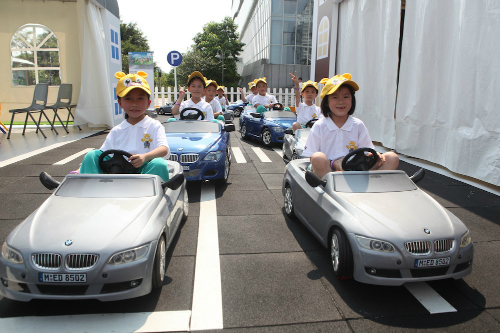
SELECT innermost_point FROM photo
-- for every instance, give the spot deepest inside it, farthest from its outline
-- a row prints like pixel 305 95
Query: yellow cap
pixel 197 74
pixel 221 87
pixel 262 79
pixel 127 82
pixel 211 82
pixel 331 85
pixel 309 84
pixel 252 84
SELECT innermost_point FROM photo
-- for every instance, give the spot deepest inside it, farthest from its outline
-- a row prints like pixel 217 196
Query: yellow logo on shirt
pixel 147 141
pixel 315 115
pixel 351 146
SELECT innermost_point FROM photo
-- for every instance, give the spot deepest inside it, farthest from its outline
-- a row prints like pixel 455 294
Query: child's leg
pixel 296 126
pixel 391 161
pixel 90 162
pixel 320 164
pixel 157 166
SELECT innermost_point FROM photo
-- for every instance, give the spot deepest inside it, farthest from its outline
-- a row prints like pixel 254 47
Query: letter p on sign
pixel 174 58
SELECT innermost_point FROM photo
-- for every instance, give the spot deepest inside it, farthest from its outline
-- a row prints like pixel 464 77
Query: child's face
pixel 135 104
pixel 262 88
pixel 309 94
pixel 196 88
pixel 220 92
pixel 340 102
pixel 254 90
pixel 210 92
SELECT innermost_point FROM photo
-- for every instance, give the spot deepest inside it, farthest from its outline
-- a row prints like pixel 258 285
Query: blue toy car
pixel 237 107
pixel 202 147
pixel 268 126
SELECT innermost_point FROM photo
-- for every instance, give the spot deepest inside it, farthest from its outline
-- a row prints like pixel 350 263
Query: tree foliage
pixel 133 40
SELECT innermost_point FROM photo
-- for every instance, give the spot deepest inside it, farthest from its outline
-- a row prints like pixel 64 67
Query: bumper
pixel 104 282
pixel 205 170
pixel 395 269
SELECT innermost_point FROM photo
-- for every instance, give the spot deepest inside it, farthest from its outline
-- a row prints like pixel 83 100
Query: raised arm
pixel 295 81
pixel 242 94
pixel 180 99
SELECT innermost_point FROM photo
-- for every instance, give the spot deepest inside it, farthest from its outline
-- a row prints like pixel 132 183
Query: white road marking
pixel 161 321
pixel 207 295
pixel 238 155
pixel 72 157
pixel 429 298
pixel 278 151
pixel 260 154
pixel 33 153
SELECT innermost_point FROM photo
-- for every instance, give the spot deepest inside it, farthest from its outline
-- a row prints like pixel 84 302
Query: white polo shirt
pixel 336 142
pixel 250 98
pixel 141 138
pixel 306 113
pixel 215 106
pixel 201 105
pixel 221 100
pixel 264 100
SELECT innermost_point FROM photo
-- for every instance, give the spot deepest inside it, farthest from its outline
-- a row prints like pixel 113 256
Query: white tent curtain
pixel 449 86
pixel 368 42
pixel 94 104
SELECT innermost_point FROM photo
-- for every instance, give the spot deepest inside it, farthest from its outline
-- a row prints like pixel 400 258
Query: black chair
pixel 63 102
pixel 37 105
pixel 71 114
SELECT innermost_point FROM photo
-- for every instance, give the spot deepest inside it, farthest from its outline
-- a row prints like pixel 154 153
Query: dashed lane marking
pixel 238 155
pixel 261 155
pixel 33 153
pixel 429 298
pixel 161 321
pixel 278 151
pixel 206 313
pixel 72 157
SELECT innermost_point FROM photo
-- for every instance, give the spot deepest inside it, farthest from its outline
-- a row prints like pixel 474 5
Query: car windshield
pixel 188 126
pixel 107 187
pixel 279 114
pixel 302 134
pixel 372 182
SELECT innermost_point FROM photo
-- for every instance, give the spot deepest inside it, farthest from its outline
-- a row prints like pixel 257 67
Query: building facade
pixel 278 39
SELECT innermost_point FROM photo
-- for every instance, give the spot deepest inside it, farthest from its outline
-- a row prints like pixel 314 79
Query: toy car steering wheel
pixel 311 122
pixel 357 160
pixel 192 116
pixel 278 106
pixel 117 164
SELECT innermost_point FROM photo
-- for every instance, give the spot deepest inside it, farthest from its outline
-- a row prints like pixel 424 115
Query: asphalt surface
pixel 275 276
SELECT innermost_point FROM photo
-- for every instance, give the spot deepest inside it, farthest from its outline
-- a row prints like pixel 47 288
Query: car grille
pixel 46 260
pixel 189 158
pixel 81 261
pixel 173 157
pixel 418 248
pixel 443 245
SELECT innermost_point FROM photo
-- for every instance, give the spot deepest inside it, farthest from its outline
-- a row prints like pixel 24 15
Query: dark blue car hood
pixel 191 142
pixel 284 122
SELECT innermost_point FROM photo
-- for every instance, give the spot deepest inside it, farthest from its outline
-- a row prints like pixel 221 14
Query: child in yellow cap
pixel 263 98
pixel 249 98
pixel 338 132
pixel 306 110
pixel 222 96
pixel 210 93
pixel 196 86
pixel 138 134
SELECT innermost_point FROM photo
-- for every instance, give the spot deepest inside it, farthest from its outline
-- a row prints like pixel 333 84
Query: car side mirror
pixel 256 115
pixel 174 183
pixel 314 180
pixel 229 127
pixel 418 176
pixel 289 131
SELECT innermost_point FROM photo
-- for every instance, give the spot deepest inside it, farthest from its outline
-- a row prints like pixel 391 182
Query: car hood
pixel 191 142
pixel 401 214
pixel 91 223
pixel 284 122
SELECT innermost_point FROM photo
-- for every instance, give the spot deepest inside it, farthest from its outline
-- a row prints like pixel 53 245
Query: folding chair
pixel 37 105
pixel 63 102
pixel 71 114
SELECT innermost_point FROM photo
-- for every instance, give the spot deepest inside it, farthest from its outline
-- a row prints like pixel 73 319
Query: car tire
pixel 237 112
pixel 160 262
pixel 266 137
pixel 243 131
pixel 341 255
pixel 288 196
pixel 227 168
pixel 185 204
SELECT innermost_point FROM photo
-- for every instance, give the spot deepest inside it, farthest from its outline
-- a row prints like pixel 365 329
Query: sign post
pixel 174 59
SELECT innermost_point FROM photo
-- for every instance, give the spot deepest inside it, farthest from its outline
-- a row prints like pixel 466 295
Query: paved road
pixel 274 276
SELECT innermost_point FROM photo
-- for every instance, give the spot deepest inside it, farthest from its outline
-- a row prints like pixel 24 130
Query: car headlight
pixel 213 156
pixel 466 239
pixel 278 129
pixel 11 255
pixel 374 244
pixel 128 256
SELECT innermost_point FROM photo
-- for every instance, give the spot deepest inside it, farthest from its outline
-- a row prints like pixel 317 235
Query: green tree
pixel 133 40
pixel 194 60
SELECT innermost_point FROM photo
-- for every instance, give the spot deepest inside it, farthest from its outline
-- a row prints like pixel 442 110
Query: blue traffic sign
pixel 174 58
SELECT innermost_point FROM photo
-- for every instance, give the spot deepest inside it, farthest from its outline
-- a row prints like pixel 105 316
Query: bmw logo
pixel 68 242
pixel 427 231
pixel 180 149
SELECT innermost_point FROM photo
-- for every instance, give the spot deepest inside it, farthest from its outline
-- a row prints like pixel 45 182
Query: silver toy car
pixel 379 226
pixel 294 143
pixel 99 236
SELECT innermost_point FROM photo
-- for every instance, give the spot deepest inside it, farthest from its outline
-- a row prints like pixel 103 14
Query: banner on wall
pixel 142 61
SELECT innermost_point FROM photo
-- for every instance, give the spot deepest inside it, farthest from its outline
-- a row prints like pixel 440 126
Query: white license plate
pixel 185 167
pixel 62 278
pixel 432 262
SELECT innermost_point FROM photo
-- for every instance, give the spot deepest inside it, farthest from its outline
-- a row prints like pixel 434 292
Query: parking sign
pixel 174 58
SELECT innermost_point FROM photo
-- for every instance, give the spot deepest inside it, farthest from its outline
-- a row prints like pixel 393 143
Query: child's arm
pixel 177 105
pixel 138 160
pixel 225 99
pixel 242 95
pixel 295 81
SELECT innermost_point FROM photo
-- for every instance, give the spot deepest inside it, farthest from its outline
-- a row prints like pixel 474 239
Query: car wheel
pixel 185 205
pixel 227 168
pixel 266 137
pixel 243 131
pixel 289 202
pixel 159 264
pixel 341 255
pixel 237 112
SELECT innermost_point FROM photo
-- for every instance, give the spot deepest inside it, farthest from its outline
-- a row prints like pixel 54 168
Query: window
pixel 35 56
pixel 323 35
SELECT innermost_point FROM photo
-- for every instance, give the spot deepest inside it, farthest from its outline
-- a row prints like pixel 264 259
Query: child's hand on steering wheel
pixel 137 160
